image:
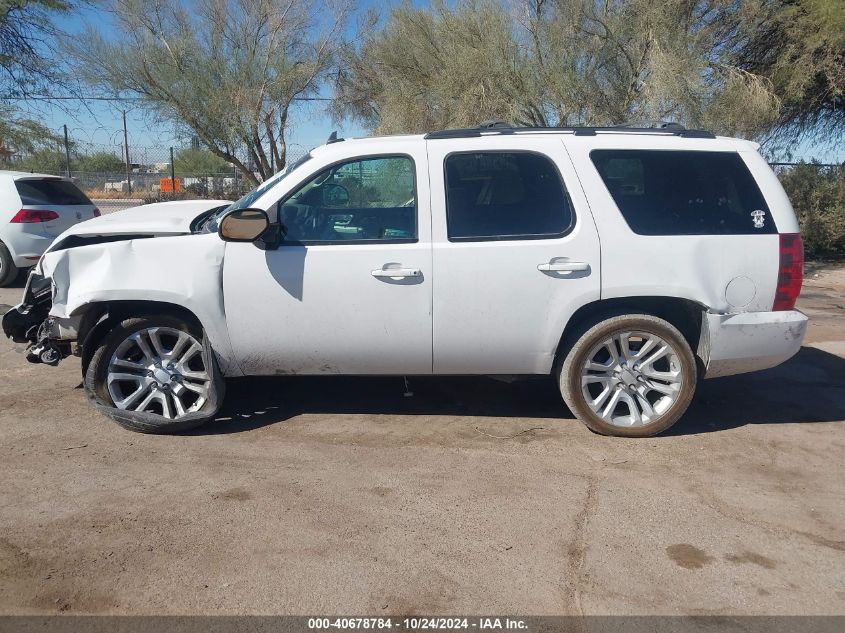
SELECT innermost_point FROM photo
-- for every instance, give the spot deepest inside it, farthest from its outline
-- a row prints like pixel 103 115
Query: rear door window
pixel 505 196
pixel 50 192
pixel 684 192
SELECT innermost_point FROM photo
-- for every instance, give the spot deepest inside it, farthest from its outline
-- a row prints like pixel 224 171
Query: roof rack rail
pixel 502 127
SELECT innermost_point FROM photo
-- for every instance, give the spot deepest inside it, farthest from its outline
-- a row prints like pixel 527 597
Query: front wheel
pixel 154 374
pixel 631 376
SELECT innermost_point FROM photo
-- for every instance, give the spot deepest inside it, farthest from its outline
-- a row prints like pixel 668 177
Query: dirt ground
pixel 342 496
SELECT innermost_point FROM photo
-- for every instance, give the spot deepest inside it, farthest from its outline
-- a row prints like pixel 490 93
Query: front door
pixel 516 252
pixel 349 290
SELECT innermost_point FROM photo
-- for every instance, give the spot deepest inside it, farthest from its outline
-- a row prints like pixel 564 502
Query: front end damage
pixel 48 339
pixel 113 258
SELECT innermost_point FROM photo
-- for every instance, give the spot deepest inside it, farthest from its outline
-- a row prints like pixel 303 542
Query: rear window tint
pixel 505 196
pixel 684 193
pixel 50 192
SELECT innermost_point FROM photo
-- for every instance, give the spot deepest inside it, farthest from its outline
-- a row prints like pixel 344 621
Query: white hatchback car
pixel 628 263
pixel 34 210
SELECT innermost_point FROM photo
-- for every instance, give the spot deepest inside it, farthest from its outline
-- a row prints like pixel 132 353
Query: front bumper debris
pixel 30 322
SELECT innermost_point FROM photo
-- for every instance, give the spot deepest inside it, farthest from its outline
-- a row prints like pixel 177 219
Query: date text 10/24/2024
pixel 418 623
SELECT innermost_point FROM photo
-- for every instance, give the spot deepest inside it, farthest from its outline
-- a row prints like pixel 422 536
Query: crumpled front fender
pixel 183 270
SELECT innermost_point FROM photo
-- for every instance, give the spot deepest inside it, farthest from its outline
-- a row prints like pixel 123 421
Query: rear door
pixel 60 196
pixel 515 252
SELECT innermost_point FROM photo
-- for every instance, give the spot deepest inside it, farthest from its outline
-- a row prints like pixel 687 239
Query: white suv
pixel 628 263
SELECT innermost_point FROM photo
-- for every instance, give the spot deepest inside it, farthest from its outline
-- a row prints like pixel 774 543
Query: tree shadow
pixel 809 388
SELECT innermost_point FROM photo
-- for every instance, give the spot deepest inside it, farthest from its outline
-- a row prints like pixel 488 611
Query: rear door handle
pixel 396 272
pixel 563 267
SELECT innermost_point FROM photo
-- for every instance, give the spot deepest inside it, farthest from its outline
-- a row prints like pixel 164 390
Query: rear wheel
pixel 631 375
pixel 153 374
pixel 8 270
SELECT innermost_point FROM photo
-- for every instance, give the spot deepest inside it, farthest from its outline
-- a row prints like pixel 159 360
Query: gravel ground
pixel 339 495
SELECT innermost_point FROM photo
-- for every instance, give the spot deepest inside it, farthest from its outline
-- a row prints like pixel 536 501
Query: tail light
pixel 791 271
pixel 96 212
pixel 28 216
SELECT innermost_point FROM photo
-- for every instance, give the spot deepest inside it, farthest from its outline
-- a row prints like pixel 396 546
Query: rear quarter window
pixel 663 192
pixel 52 192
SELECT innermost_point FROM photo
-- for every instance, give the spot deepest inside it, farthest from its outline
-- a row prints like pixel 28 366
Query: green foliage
pixel 799 45
pixel 98 162
pixel 227 69
pixel 52 160
pixel 22 134
pixel 818 197
pixel 199 162
pixel 42 160
pixel 567 62
pixel 26 36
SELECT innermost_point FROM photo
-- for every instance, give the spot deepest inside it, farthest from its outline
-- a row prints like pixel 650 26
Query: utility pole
pixel 172 174
pixel 126 151
pixel 67 154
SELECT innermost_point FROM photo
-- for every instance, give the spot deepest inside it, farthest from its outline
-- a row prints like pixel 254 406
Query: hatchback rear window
pixel 684 193
pixel 53 192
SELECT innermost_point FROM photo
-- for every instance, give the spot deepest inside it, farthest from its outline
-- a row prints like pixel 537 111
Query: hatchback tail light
pixel 28 216
pixel 96 212
pixel 791 271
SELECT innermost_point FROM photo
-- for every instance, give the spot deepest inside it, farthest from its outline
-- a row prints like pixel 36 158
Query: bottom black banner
pixel 384 623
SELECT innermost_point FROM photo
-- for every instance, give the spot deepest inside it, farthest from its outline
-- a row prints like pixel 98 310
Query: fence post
pixel 172 174
pixel 237 189
pixel 67 154
pixel 126 148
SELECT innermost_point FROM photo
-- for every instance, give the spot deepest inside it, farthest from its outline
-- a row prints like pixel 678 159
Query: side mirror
pixel 243 225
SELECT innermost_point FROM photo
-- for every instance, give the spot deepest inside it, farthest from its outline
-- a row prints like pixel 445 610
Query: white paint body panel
pixel 160 218
pixel 184 270
pixel 318 308
pixel 494 311
pixel 694 267
pixel 751 341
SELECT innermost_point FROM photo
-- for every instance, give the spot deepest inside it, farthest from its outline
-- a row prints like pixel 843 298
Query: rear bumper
pixel 750 341
pixel 26 243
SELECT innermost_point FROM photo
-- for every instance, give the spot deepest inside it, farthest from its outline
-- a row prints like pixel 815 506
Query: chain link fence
pixel 150 174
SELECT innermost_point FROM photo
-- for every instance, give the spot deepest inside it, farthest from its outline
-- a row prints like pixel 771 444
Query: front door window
pixel 361 200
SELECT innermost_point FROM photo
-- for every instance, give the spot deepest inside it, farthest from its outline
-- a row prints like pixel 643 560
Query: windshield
pixel 256 193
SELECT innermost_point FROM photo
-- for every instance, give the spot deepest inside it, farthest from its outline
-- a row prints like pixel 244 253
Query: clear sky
pixel 310 125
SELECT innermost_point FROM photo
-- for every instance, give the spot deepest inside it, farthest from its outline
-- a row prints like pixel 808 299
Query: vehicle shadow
pixel 808 388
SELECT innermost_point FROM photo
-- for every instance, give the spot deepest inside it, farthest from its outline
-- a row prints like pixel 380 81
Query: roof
pixel 20 175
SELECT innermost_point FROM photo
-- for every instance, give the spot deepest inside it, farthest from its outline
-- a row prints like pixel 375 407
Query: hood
pixel 160 218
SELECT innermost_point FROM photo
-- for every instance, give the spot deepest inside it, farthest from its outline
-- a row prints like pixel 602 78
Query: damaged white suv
pixel 628 263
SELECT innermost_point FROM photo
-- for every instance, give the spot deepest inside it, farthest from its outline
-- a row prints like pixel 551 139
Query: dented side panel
pixel 185 270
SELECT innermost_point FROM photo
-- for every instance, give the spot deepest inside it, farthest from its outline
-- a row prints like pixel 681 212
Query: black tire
pixel 8 270
pixel 569 373
pixel 96 386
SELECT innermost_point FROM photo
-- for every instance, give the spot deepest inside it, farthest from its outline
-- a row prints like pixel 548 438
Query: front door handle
pixel 563 267
pixel 394 273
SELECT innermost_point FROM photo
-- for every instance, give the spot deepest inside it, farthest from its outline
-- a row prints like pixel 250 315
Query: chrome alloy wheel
pixel 631 378
pixel 159 370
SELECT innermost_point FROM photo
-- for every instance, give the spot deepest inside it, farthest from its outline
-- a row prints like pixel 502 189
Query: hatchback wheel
pixel 8 270
pixel 154 375
pixel 631 375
